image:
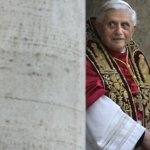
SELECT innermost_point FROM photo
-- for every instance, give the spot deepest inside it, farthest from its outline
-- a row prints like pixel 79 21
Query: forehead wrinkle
pixel 118 16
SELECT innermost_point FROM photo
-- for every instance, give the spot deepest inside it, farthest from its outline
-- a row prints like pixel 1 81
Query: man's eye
pixel 125 25
pixel 111 24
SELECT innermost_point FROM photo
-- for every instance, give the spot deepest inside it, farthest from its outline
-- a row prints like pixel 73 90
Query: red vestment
pixel 94 86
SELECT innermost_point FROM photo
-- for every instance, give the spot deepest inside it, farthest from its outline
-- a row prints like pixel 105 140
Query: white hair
pixel 116 4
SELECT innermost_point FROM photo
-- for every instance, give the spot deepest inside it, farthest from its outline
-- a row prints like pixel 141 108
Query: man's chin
pixel 118 48
pixel 119 42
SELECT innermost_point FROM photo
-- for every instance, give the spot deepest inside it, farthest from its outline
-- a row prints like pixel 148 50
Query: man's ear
pixel 134 28
pixel 98 26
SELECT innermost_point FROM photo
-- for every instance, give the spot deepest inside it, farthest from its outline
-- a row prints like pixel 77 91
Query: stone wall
pixel 142 34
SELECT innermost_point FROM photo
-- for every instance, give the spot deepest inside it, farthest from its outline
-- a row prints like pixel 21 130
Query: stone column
pixel 42 46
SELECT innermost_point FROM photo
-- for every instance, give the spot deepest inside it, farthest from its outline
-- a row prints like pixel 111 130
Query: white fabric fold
pixel 109 128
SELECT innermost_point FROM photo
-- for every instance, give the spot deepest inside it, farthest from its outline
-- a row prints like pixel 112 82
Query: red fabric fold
pixel 94 87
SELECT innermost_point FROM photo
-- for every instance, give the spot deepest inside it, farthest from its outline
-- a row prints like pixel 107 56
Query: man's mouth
pixel 118 39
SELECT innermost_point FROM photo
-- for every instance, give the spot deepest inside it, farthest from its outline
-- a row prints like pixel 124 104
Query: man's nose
pixel 119 29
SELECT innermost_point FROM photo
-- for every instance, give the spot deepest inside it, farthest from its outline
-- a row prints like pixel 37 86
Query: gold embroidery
pixel 101 58
pixel 112 80
pixel 144 69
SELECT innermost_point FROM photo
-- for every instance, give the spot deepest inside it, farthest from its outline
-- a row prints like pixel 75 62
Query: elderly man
pixel 118 82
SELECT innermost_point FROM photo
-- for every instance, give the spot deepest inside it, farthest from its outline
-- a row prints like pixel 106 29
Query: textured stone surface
pixel 42 75
pixel 142 33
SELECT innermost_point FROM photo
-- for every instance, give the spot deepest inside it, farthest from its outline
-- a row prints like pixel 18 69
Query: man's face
pixel 116 29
